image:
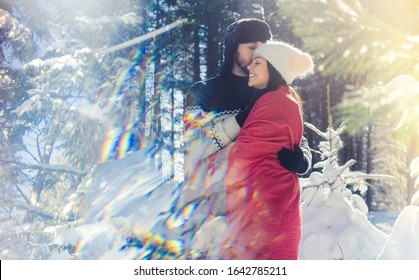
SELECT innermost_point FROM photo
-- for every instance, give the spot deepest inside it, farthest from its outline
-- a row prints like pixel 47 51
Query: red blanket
pixel 263 198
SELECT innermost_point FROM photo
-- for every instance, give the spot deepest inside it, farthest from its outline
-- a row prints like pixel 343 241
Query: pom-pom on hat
pixel 290 62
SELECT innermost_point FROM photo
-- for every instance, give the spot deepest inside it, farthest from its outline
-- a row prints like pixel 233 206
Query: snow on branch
pixel 30 208
pixel 40 166
pixel 334 175
pixel 142 38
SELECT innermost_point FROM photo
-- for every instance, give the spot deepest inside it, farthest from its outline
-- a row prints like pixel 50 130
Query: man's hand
pixel 293 161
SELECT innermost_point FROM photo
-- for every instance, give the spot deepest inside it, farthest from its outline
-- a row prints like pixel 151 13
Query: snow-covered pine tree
pixel 57 108
pixel 330 207
pixel 16 46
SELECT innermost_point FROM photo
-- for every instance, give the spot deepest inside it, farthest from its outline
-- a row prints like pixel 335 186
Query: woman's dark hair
pixel 276 80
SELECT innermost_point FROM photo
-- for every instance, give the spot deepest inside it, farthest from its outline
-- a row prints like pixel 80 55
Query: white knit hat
pixel 288 60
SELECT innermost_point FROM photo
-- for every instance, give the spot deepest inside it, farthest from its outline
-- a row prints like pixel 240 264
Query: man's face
pixel 243 57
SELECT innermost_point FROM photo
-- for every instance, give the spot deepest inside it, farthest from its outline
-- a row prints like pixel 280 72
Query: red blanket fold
pixel 263 198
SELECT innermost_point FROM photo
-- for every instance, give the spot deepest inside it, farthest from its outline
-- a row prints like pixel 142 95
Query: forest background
pixel 69 103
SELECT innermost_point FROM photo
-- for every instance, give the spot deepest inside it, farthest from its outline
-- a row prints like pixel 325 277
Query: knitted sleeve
pixel 307 154
pixel 205 131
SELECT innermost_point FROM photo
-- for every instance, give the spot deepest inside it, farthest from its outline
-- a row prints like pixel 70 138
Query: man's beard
pixel 241 63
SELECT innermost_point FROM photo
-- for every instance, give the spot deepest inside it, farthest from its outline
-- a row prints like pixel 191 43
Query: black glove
pixel 242 116
pixel 293 161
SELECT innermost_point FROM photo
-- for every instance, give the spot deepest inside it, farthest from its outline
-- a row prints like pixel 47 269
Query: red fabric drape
pixel 263 198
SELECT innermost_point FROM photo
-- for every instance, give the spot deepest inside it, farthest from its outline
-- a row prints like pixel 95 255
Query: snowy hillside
pixel 128 206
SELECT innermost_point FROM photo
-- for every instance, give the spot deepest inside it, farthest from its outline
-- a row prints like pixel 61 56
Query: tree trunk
pixel 155 127
pixel 213 39
pixel 196 55
pixel 172 113
pixel 142 102
pixel 369 166
pixel 35 197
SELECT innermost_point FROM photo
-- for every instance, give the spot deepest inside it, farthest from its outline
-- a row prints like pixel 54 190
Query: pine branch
pixel 26 149
pixel 30 208
pixel 38 146
pixel 42 166
pixel 142 38
pixel 23 195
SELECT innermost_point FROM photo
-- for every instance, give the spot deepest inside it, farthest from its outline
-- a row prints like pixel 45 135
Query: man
pixel 217 108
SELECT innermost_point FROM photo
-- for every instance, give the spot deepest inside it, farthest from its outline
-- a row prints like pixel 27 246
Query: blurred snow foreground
pixel 132 214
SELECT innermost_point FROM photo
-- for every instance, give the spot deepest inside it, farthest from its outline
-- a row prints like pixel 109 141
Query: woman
pixel 263 198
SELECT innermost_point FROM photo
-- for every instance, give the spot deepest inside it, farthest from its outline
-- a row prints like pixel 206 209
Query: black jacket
pixel 220 94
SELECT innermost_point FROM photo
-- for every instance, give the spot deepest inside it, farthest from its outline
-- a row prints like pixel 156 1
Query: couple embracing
pixel 245 147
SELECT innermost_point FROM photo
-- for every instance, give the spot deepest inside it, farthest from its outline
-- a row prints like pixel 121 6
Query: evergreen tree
pixel 353 41
pixel 58 108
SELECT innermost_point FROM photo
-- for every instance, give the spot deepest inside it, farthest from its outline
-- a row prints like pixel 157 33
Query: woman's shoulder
pixel 282 94
pixel 279 102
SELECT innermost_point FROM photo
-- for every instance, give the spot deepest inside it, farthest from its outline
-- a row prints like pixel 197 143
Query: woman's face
pixel 258 72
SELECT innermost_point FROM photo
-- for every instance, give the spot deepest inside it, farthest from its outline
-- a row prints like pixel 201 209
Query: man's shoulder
pixel 205 86
pixel 207 83
pixel 201 93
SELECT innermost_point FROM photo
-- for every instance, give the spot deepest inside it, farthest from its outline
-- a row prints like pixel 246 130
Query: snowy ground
pixel 384 221
pixel 128 206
